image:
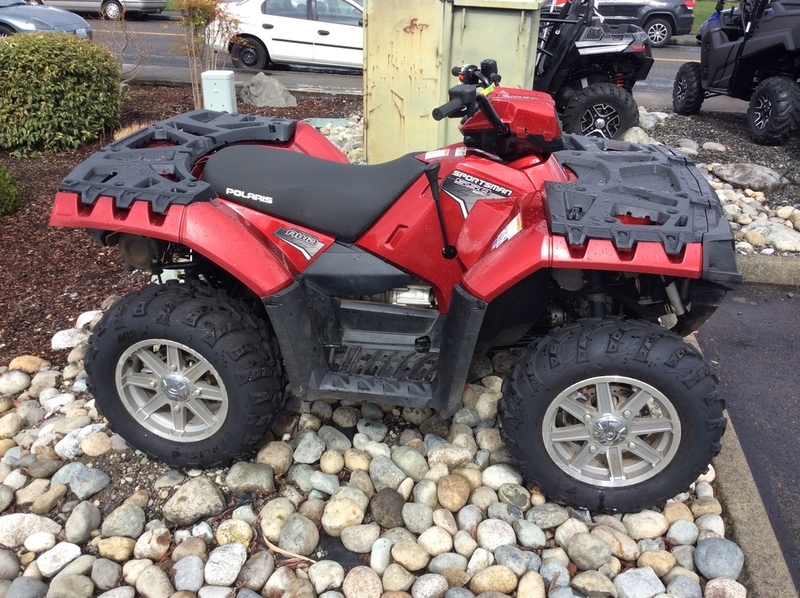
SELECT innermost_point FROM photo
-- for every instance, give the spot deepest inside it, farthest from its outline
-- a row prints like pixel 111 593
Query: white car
pixel 316 32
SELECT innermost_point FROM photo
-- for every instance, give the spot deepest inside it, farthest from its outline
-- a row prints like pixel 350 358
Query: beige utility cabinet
pixel 410 47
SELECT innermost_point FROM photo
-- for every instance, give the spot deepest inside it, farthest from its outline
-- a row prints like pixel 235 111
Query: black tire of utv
pixel 594 95
pixel 225 333
pixel 590 348
pixel 659 27
pixel 6 31
pixel 249 54
pixel 689 77
pixel 784 120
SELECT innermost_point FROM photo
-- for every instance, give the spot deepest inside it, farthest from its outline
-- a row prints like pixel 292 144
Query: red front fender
pixel 210 228
pixel 533 249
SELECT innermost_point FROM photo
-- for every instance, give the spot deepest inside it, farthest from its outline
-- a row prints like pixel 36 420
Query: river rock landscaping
pixel 353 500
pixel 360 501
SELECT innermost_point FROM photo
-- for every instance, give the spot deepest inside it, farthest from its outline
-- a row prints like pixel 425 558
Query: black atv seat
pixel 341 200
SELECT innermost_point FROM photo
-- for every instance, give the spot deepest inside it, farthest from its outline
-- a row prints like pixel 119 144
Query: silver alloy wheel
pixel 112 10
pixel 762 110
pixel 657 32
pixel 611 431
pixel 601 119
pixel 171 390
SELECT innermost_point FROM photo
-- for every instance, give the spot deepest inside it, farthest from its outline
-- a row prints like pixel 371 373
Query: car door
pixel 288 31
pixel 608 10
pixel 628 12
pixel 340 35
pixel 75 5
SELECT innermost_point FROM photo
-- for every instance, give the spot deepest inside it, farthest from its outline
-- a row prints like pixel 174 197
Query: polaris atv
pixel 381 282
pixel 590 69
pixel 752 53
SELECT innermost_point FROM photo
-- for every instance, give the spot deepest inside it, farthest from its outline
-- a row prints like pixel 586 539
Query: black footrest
pixel 388 364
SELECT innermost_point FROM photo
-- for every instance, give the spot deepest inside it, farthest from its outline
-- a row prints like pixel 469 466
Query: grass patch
pixel 702 10
pixel 171 6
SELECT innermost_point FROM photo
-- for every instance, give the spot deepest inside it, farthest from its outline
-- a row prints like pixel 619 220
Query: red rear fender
pixel 210 228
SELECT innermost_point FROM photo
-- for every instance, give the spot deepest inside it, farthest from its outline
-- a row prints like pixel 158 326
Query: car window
pixel 285 8
pixel 338 11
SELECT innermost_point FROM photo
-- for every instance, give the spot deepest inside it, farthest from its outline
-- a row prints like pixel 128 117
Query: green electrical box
pixel 410 47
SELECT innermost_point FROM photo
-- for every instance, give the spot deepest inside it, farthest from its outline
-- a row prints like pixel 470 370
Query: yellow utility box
pixel 410 47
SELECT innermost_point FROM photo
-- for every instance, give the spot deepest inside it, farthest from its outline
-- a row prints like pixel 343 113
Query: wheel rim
pixel 611 431
pixel 762 110
pixel 171 390
pixel 248 55
pixel 601 120
pixel 681 87
pixel 112 10
pixel 657 32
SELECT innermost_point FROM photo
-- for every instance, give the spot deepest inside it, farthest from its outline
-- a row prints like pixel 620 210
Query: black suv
pixel 661 19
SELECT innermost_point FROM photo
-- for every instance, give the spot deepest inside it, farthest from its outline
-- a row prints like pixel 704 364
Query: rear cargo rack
pixel 154 164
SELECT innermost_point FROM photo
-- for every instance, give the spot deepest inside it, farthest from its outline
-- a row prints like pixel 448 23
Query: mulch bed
pixel 49 276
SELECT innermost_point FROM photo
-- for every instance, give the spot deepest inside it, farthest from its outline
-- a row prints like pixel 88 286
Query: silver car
pixel 109 9
pixel 16 16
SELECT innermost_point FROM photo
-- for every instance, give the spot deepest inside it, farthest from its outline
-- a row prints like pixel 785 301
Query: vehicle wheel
pixel 34 2
pixel 601 110
pixel 774 112
pixel 111 10
pixel 6 31
pixel 249 54
pixel 611 415
pixel 659 31
pixel 185 374
pixel 687 91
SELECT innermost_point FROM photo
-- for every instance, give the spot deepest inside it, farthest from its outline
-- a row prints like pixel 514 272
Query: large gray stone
pixel 718 557
pixel 262 91
pixel 752 176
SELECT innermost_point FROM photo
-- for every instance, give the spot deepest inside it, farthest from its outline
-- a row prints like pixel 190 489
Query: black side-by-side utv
pixel 751 52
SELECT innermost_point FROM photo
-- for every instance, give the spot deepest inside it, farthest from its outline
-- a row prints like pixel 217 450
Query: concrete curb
pixel 769 269
pixel 765 574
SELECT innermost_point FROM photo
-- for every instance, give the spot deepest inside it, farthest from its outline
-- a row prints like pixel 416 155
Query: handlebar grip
pixel 448 109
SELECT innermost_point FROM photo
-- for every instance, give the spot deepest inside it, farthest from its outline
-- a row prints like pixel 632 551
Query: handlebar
pixel 451 108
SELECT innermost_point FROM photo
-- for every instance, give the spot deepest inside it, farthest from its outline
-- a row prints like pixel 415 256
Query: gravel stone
pixel 197 498
pixel 362 582
pixel 718 557
pixel 224 564
pixel 638 583
pixel 299 535
pixel 547 516
pixel 417 517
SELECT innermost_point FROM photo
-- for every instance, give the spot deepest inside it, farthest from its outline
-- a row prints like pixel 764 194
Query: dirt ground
pixel 49 276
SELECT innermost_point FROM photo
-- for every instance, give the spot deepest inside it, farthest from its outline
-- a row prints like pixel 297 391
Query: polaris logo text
pixel 246 195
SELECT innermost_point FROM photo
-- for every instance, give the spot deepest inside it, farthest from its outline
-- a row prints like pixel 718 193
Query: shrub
pixel 9 193
pixel 56 92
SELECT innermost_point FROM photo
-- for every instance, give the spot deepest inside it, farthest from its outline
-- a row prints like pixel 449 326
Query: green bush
pixel 57 91
pixel 9 193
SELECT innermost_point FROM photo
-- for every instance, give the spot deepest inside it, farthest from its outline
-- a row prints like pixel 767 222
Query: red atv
pixel 380 283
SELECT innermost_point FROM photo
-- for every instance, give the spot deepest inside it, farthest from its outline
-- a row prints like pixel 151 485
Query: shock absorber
pixel 595 294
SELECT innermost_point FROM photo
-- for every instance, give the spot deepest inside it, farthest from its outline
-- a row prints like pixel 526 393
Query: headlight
pixel 39 25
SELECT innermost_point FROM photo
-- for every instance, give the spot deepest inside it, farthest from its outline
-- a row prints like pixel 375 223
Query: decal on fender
pixel 304 242
pixel 466 189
